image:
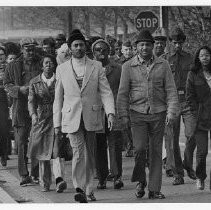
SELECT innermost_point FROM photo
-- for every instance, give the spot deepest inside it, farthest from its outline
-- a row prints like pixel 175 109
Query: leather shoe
pixel 3 161
pixel 178 181
pixel 25 180
pixel 61 186
pixel 155 195
pixel 192 174
pixel 101 185
pixel 129 153
pixel 91 196
pixel 200 184
pixel 46 188
pixel 110 177
pixel 118 184
pixel 140 189
pixel 35 180
pixel 169 173
pixel 80 196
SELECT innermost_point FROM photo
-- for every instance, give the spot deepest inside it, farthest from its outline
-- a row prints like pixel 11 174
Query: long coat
pixel 13 79
pixel 40 102
pixel 198 96
pixel 71 103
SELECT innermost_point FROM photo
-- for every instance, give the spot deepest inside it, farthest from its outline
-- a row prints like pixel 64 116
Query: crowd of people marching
pixel 97 97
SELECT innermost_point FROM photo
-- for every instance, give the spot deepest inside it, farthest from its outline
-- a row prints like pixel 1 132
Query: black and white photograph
pixel 105 104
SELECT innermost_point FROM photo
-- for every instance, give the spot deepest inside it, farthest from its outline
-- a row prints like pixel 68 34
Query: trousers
pixel 21 138
pixel 190 124
pixel 45 170
pixel 148 129
pixel 4 129
pixel 101 157
pixel 83 143
pixel 201 137
pixel 115 143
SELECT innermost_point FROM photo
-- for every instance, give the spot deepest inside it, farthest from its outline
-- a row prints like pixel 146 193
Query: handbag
pixel 62 148
pixel 66 151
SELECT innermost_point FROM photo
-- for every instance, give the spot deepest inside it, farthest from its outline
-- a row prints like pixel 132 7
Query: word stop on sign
pixel 146 22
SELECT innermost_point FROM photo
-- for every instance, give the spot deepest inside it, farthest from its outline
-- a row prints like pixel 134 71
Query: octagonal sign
pixel 146 20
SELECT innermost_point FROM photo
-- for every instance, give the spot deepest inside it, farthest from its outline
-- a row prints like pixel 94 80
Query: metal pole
pixel 164 23
pixel 161 16
pixel 69 23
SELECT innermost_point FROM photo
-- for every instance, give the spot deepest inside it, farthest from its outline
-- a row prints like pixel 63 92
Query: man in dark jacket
pixel 126 52
pixel 126 134
pixel 16 82
pixel 160 38
pixel 101 49
pixel 180 63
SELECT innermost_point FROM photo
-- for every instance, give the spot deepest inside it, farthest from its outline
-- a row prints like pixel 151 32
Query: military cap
pixel 26 42
pixel 61 37
pixel 49 41
pixel 160 34
pixel 127 43
pixel 177 34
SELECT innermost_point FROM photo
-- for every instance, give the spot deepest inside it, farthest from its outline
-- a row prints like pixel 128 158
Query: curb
pixel 5 197
pixel 19 194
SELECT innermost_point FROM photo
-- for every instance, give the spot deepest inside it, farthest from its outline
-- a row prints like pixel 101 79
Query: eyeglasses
pixel 100 49
pixel 2 54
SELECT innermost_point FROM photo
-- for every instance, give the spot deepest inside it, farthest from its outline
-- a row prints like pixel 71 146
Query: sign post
pixel 146 20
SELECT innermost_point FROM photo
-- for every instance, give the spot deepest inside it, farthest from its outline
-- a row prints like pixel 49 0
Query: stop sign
pixel 146 20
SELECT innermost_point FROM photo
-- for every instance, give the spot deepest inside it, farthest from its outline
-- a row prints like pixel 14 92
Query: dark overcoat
pixel 13 80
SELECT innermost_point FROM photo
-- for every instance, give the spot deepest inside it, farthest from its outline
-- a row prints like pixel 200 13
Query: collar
pixel 207 76
pixel 144 62
pixel 79 61
pixel 48 81
pixel 136 62
pixel 181 53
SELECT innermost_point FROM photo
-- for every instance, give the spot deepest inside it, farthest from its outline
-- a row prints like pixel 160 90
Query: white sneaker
pixel 200 184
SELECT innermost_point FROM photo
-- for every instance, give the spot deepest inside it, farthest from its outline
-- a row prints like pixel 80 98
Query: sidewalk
pixel 186 193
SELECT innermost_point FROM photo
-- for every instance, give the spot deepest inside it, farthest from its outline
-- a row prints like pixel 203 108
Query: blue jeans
pixel 148 129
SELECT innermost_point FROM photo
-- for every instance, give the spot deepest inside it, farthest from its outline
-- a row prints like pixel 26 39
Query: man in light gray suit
pixel 77 111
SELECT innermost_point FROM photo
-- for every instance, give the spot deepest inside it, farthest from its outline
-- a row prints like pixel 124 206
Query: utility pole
pixel 69 22
pixel 164 23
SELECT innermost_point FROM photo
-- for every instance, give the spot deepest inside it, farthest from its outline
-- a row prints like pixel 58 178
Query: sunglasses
pixel 100 49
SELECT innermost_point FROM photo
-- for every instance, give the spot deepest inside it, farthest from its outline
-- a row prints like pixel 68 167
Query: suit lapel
pixel 89 70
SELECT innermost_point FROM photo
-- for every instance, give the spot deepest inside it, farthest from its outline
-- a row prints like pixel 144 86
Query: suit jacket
pixel 71 103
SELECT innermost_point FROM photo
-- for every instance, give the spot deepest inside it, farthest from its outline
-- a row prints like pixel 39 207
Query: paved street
pixel 10 191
